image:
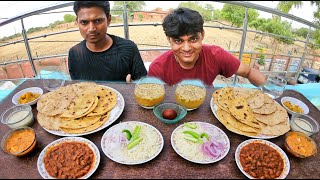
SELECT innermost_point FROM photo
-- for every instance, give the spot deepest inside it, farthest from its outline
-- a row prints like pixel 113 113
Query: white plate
pixel 214 108
pixel 40 163
pixel 146 150
pixel 114 115
pixel 294 101
pixel 286 168
pixel 38 90
pixel 195 148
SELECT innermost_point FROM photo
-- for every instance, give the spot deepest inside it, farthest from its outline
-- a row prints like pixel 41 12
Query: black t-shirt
pixel 114 64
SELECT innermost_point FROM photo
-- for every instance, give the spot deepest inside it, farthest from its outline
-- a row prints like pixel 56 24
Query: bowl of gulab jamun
pixel 169 113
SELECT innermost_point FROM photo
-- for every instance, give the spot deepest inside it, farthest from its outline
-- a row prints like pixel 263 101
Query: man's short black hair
pixel 182 21
pixel 105 5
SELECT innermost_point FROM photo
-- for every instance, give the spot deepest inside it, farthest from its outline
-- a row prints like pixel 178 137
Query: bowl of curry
pixel 19 142
pixel 294 106
pixel 28 96
pixel 299 144
pixel 262 159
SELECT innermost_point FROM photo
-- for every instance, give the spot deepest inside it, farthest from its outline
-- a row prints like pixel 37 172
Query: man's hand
pixel 128 78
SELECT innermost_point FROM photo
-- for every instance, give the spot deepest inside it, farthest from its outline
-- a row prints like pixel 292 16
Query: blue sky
pixel 13 8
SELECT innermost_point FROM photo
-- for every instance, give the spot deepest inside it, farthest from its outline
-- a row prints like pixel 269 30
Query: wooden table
pixel 168 164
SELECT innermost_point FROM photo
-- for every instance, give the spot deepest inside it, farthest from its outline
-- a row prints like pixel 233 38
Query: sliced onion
pixel 116 140
pixel 212 148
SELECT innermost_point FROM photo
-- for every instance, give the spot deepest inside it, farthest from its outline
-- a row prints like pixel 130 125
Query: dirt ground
pixel 145 37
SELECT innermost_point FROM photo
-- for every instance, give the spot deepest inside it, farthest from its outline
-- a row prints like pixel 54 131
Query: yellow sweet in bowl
pixel 190 94
pixel 149 92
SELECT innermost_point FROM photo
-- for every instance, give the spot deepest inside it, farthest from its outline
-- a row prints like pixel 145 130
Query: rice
pixel 192 150
pixel 148 148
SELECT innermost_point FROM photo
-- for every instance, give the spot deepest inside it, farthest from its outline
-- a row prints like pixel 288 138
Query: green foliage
pixel 206 12
pixel 34 29
pixel 131 6
pixel 257 23
pixel 302 32
pixel 11 37
pixel 317 36
pixel 68 18
pixel 261 55
pixel 55 24
pixel 276 26
pixel 235 14
pixel 141 17
pixel 286 6
pixel 217 15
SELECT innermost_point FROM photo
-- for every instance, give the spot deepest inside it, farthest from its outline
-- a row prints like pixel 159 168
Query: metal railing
pixel 126 30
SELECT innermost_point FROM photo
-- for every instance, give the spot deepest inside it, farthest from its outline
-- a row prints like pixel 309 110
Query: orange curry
pixel 19 141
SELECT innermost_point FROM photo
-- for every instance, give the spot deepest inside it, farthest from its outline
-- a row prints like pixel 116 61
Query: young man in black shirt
pixel 102 56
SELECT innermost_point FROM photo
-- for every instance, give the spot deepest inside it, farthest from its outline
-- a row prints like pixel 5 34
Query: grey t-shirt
pixel 114 64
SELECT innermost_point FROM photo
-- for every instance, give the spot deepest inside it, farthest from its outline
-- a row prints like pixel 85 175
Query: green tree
pixel 317 36
pixel 206 12
pixel 257 23
pixel 69 18
pixel 286 6
pixel 302 32
pixel 235 14
pixel 131 6
pixel 276 26
pixel 217 14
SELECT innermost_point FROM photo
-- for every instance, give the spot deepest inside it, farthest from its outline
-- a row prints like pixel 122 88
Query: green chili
pixel 194 134
pixel 128 133
pixel 134 142
pixel 189 125
pixel 205 135
pixel 136 132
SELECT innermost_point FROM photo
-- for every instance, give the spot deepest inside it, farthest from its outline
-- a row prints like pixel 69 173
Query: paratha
pixel 80 106
pixel 280 115
pixel 240 109
pixel 244 92
pixel 276 130
pixel 224 116
pixel 56 102
pixel 235 123
pixel 256 101
pixel 215 99
pixel 225 96
pixel 107 101
pixel 92 127
pixel 80 122
pixel 85 88
pixel 265 109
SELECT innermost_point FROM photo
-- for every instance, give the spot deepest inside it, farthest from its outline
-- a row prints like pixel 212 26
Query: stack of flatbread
pixel 250 112
pixel 76 108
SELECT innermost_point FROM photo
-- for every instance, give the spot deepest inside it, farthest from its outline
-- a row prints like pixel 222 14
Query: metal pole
pixel 303 55
pixel 243 41
pixel 24 34
pixel 125 21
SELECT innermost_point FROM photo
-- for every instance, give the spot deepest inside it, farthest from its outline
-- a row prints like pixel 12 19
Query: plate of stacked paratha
pixel 79 109
pixel 249 112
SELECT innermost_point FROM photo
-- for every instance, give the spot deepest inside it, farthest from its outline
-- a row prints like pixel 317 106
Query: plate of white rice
pixel 200 142
pixel 114 143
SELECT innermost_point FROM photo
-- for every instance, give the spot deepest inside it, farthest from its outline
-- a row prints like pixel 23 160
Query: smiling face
pixel 187 48
pixel 93 24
